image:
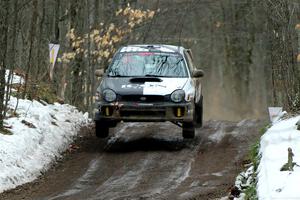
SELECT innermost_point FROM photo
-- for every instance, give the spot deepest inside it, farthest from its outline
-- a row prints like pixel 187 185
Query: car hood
pixel 148 86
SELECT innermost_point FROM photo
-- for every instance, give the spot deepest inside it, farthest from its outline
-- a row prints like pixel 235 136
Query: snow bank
pixel 15 79
pixel 30 151
pixel 273 183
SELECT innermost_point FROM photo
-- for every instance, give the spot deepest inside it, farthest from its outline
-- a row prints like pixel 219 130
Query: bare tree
pixel 4 7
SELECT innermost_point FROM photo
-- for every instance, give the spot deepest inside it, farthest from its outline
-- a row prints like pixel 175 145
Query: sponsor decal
pixel 143 98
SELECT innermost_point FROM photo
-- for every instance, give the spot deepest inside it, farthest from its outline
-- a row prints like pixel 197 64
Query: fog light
pixel 179 112
pixel 107 110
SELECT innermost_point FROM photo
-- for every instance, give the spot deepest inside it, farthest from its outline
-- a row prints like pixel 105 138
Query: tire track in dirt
pixel 148 161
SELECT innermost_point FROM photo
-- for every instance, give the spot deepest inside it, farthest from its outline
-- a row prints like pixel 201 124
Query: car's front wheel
pixel 188 130
pixel 101 129
pixel 198 114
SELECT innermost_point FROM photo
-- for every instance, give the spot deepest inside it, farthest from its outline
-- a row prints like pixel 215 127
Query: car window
pixel 148 64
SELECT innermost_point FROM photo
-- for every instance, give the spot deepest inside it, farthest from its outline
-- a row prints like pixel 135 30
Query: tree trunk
pixel 285 76
pixel 31 39
pixel 12 56
pixel 3 49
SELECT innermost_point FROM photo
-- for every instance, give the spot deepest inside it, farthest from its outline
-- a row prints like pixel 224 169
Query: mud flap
pixel 101 129
pixel 188 130
pixel 198 116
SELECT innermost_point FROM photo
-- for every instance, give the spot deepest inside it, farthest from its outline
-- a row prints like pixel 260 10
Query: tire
pixel 198 114
pixel 101 129
pixel 188 130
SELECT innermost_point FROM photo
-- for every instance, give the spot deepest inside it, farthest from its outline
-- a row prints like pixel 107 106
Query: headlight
pixel 109 95
pixel 177 96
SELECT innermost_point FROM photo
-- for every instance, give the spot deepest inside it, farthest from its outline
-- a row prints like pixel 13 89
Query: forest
pixel 248 49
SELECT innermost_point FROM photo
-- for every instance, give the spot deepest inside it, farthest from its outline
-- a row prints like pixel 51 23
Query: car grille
pixel 130 113
pixel 143 98
pixel 142 111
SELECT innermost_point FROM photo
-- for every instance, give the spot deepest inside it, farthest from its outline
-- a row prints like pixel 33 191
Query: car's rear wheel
pixel 198 114
pixel 101 129
pixel 188 130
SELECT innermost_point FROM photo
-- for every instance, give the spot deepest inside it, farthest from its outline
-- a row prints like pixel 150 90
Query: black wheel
pixel 198 114
pixel 101 129
pixel 188 130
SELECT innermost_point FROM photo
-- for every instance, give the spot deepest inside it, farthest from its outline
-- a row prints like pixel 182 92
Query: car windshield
pixel 148 64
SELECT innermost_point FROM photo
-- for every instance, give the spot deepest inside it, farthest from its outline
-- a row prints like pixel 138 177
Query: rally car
pixel 150 83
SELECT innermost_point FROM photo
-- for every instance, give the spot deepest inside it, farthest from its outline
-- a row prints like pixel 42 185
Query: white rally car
pixel 150 83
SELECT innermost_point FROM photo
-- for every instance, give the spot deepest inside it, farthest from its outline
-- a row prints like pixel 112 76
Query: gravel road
pixel 147 161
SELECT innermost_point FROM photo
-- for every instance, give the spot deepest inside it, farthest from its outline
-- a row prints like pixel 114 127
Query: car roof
pixel 152 47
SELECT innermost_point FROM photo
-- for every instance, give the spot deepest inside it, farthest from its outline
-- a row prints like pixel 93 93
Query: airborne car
pixel 150 83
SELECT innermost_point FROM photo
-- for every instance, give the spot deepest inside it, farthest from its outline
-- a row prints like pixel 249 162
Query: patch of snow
pixel 210 184
pixel 217 174
pixel 15 79
pixel 195 184
pixel 241 197
pixel 183 173
pixel 273 183
pixel 247 123
pixel 28 152
pixel 224 130
pixel 242 123
pixel 217 136
pixel 244 179
pixel 121 132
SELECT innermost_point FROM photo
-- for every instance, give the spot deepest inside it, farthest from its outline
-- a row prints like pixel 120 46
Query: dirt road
pixel 147 161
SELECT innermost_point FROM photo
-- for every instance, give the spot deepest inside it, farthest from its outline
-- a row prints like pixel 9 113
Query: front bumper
pixel 147 112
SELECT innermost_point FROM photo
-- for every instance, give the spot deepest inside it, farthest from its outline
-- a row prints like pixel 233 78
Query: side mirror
pixel 99 72
pixel 197 73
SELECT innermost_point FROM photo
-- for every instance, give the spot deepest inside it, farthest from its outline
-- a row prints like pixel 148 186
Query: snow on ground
pixel 273 183
pixel 14 79
pixel 32 148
